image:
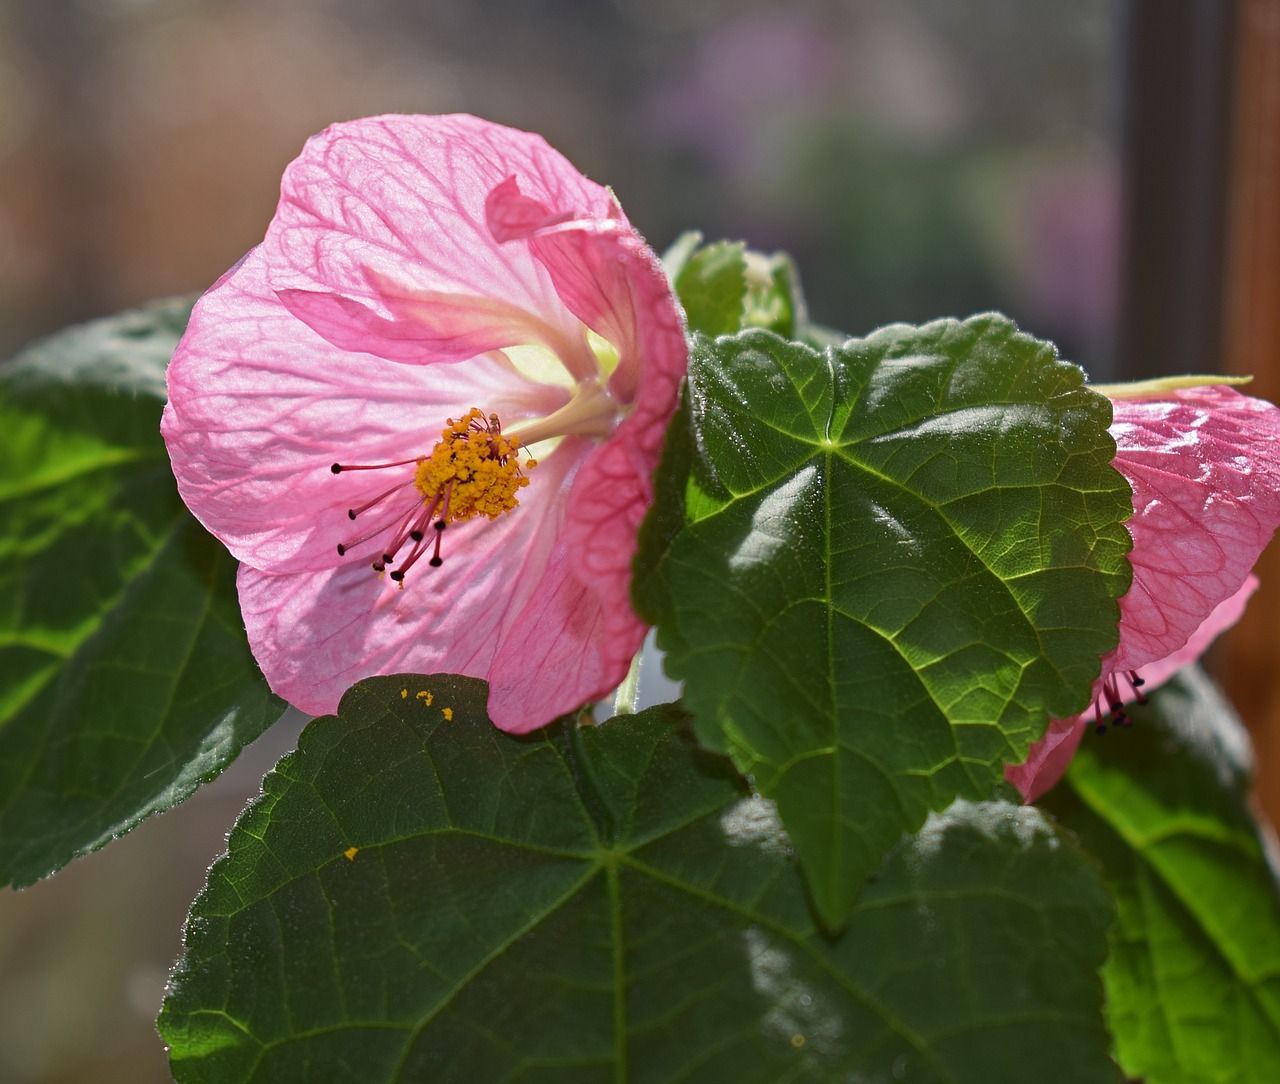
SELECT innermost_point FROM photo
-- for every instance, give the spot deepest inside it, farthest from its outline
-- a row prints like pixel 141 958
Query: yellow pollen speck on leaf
pixel 474 469
pixel 448 714
pixel 350 853
pixel 404 694
pixel 426 698
pixel 797 1041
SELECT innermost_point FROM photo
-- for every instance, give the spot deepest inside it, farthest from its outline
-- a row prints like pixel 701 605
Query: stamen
pixel 410 529
pixel 1115 700
pixel 353 512
pixel 386 525
pixel 338 468
pixel 1136 683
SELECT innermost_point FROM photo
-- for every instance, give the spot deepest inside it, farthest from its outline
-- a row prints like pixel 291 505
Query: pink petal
pixel 425 326
pixel 260 407
pixel 1048 759
pixel 402 200
pixel 554 657
pixel 1204 465
pixel 512 216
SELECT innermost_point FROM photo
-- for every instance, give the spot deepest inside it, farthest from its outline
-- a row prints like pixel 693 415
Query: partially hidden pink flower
pixel 424 414
pixel 1204 466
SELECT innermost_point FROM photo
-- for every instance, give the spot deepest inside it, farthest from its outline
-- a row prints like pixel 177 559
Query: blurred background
pixel 1074 165
pixel 918 158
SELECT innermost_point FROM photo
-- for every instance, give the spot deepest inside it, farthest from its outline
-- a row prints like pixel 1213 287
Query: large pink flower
pixel 356 407
pixel 1204 466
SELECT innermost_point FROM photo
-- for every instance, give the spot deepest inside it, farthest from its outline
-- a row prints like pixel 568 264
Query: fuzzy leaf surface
pixel 879 570
pixel 125 678
pixel 1193 981
pixel 416 897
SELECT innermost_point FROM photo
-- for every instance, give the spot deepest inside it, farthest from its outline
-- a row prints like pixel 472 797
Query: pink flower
pixel 424 415
pixel 1204 466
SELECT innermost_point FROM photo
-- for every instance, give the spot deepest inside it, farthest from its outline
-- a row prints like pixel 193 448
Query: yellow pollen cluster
pixel 474 469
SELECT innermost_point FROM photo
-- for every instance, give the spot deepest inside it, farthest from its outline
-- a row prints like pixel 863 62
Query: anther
pixel 1136 684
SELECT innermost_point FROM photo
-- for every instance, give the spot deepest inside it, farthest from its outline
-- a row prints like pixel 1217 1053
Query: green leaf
pixel 725 287
pixel 881 568
pixel 712 285
pixel 1193 982
pixel 774 299
pixel 419 899
pixel 125 678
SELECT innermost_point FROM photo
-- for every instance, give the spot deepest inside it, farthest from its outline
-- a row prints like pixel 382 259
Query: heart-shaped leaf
pixel 881 568
pixel 418 896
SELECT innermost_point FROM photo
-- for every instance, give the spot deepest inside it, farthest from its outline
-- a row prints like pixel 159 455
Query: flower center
pixel 473 470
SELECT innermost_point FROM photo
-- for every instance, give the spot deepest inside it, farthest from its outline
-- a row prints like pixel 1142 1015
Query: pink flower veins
pixel 1204 466
pixel 424 415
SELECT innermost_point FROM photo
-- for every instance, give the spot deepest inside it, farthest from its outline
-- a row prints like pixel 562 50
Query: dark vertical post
pixel 1176 133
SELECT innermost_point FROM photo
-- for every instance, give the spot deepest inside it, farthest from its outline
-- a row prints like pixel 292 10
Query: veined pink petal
pixel 260 407
pixel 513 216
pixel 1204 464
pixel 402 199
pixel 1221 618
pixel 541 660
pixel 425 326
